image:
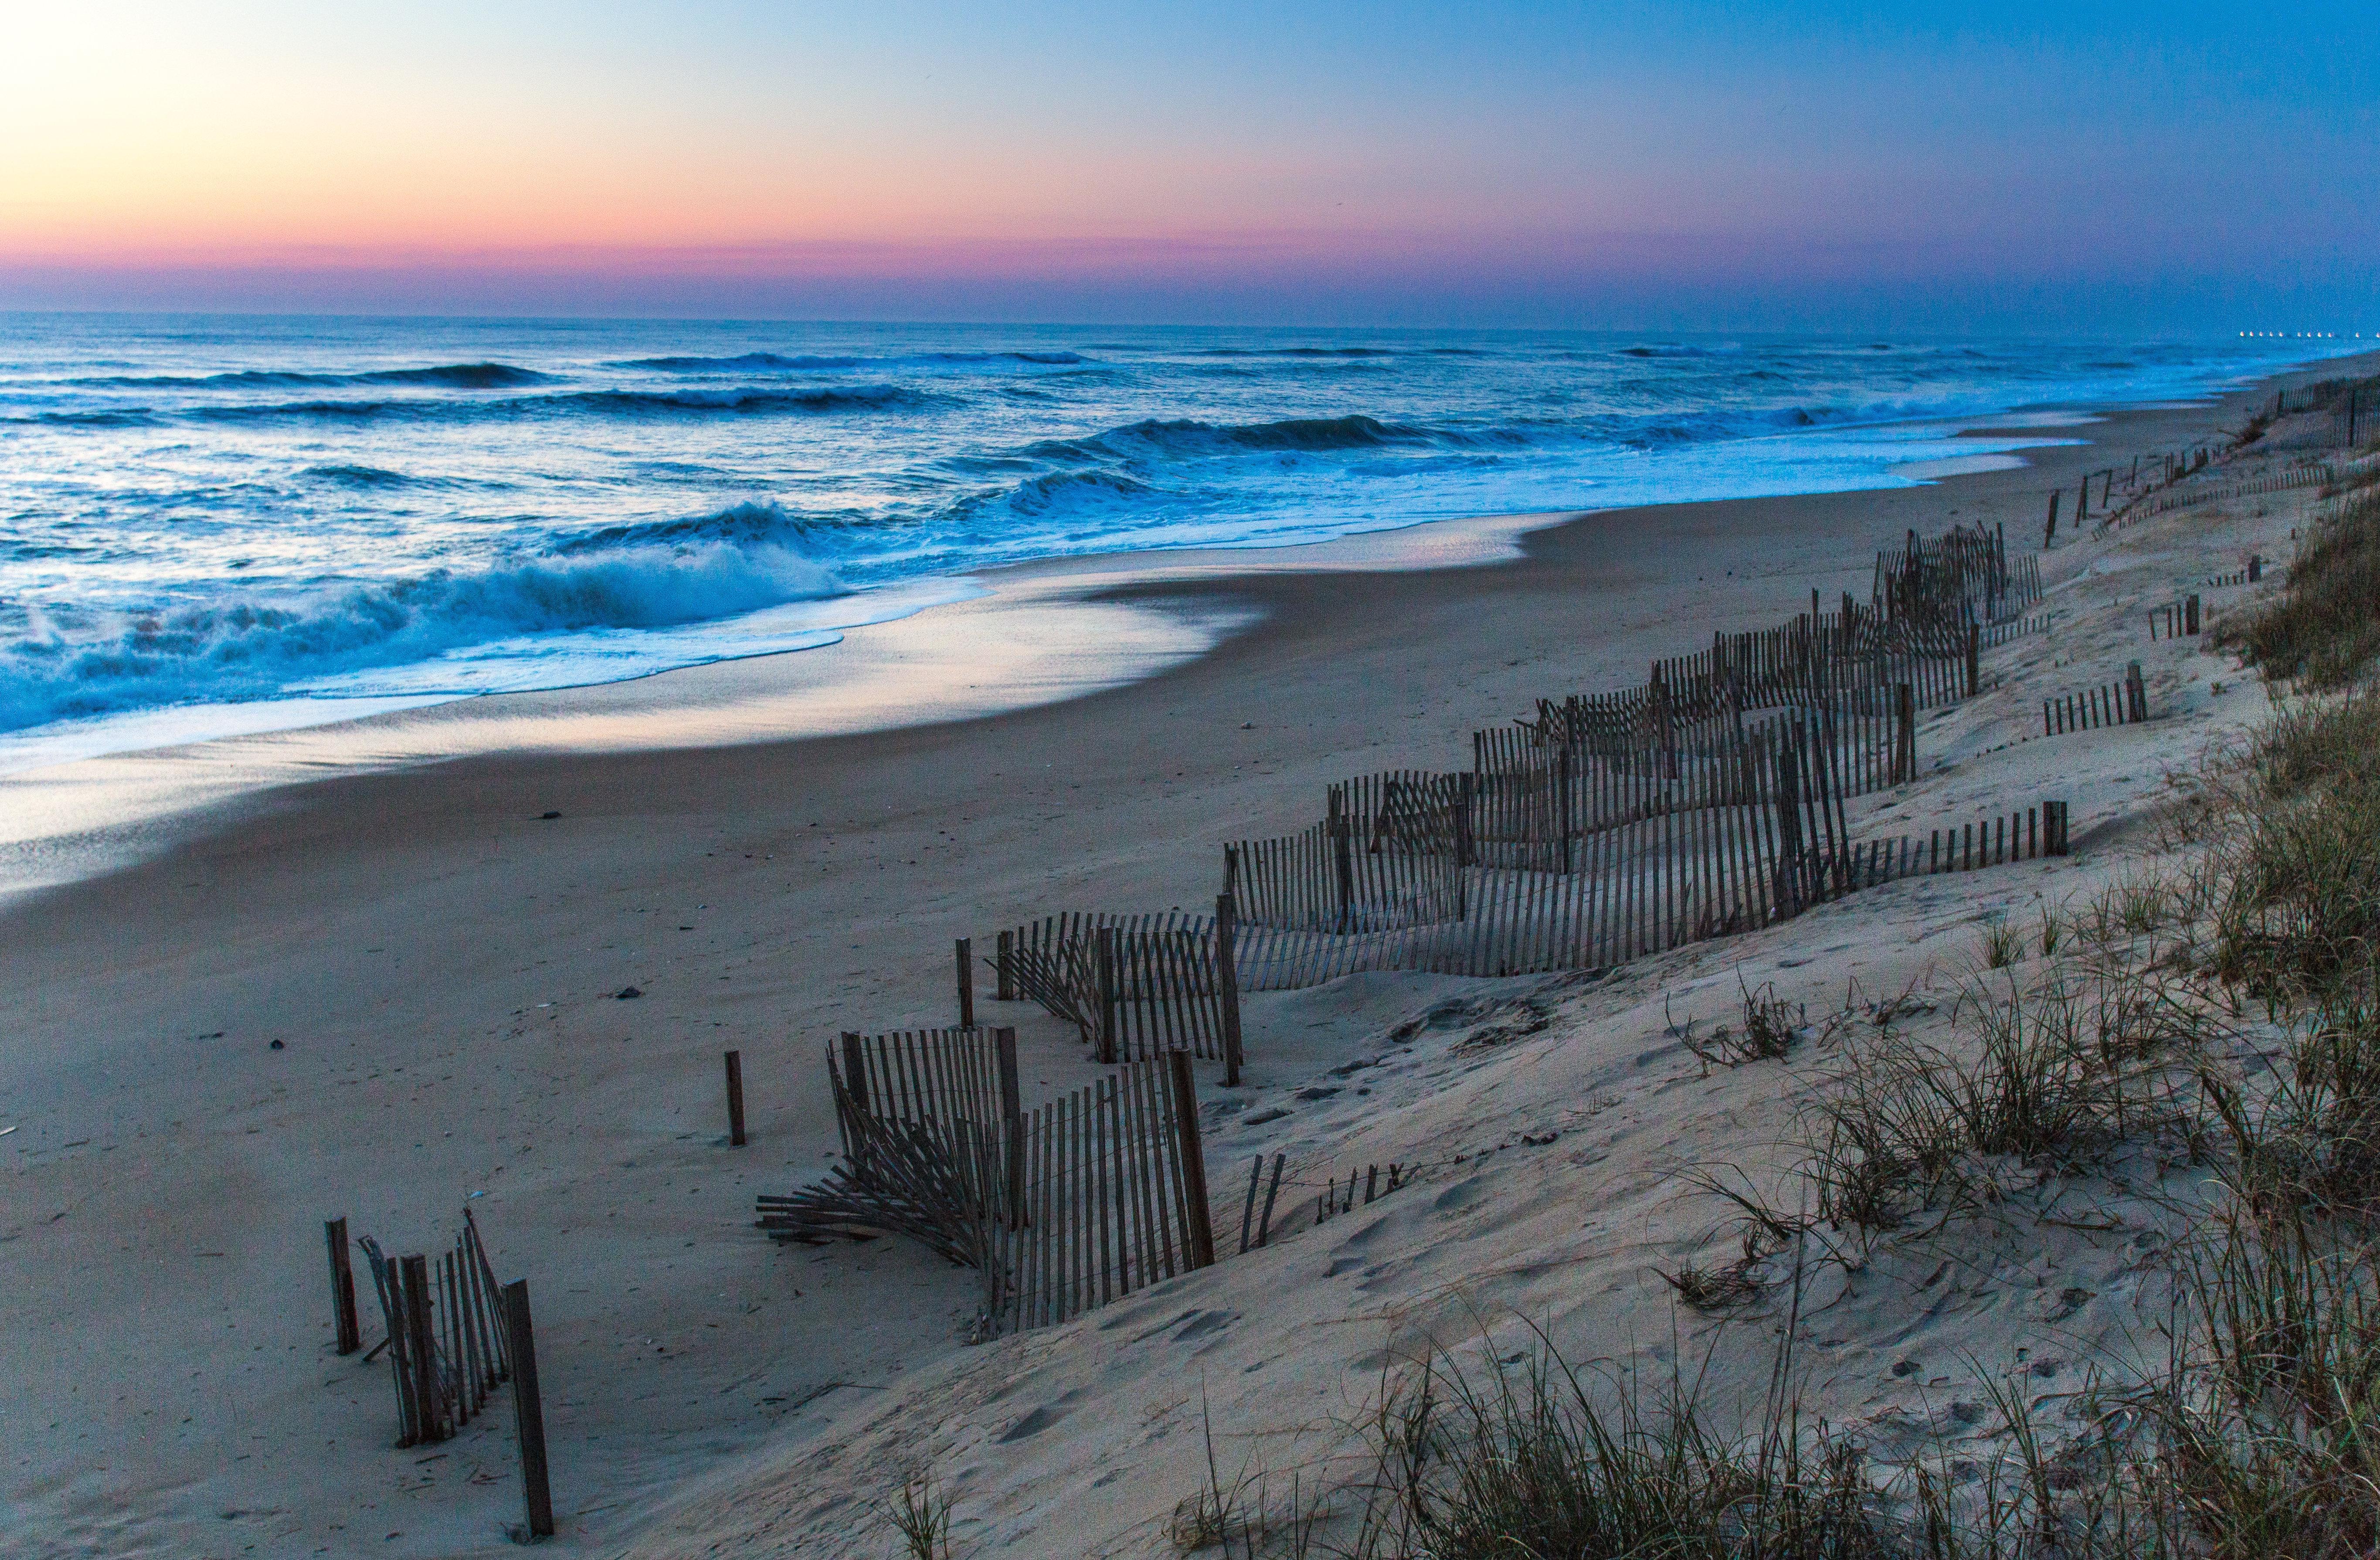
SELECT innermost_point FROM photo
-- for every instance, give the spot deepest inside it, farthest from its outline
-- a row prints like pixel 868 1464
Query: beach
pixel 396 991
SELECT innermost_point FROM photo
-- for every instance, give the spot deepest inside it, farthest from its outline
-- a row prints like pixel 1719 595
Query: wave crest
pixel 447 376
pixel 224 650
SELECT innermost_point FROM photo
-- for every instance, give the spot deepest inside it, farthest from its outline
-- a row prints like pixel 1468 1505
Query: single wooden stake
pixel 2256 568
pixel 1248 1212
pixel 1904 746
pixel 1106 946
pixel 1272 1189
pixel 1012 1115
pixel 966 983
pixel 1227 984
pixel 529 1409
pixel 343 1287
pixel 1194 1160
pixel 2189 616
pixel 735 1099
pixel 2136 694
pixel 1005 974
pixel 432 1425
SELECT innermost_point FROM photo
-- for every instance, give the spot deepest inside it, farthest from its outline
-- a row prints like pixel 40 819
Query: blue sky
pixel 2124 167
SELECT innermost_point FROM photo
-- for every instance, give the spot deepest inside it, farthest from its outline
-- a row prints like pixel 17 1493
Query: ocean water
pixel 212 524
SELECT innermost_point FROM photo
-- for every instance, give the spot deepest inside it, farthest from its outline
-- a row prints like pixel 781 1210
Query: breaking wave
pixel 229 648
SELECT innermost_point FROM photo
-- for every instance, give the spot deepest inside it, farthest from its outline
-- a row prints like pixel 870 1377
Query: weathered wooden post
pixel 1004 968
pixel 2189 616
pixel 2049 532
pixel 529 1409
pixel 1227 984
pixel 1342 858
pixel 343 1287
pixel 735 1099
pixel 1106 948
pixel 2053 828
pixel 1192 1160
pixel 1904 734
pixel 428 1393
pixel 966 983
pixel 2136 694
pixel 1562 791
pixel 2256 568
pixel 1011 1120
pixel 1974 659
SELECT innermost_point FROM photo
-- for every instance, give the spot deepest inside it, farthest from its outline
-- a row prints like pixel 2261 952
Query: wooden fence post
pixel 428 1393
pixel 855 1067
pixel 1192 1160
pixel 1342 857
pixel 1904 736
pixel 1227 984
pixel 529 1409
pixel 1011 1119
pixel 2136 694
pixel 966 983
pixel 2053 828
pixel 2050 530
pixel 1004 975
pixel 343 1287
pixel 2189 616
pixel 735 1099
pixel 2256 568
pixel 1106 960
pixel 1974 659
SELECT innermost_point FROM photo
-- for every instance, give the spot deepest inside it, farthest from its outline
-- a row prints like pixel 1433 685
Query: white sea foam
pixel 196 514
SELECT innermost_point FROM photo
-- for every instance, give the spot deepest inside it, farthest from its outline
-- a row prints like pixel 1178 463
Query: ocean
pixel 211 524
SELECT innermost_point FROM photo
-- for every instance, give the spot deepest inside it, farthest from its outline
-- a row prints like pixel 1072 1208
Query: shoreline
pixel 439 964
pixel 1048 629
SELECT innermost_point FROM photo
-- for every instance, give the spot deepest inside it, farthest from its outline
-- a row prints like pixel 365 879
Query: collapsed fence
pixel 446 1343
pixel 1061 1208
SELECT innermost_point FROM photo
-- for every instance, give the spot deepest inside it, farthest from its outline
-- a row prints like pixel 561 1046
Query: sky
pixel 1677 165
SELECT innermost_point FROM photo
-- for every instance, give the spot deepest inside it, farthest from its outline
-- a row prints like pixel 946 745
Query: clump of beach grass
pixel 2323 629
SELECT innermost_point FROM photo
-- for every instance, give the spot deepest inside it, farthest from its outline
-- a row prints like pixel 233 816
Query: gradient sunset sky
pixel 1657 165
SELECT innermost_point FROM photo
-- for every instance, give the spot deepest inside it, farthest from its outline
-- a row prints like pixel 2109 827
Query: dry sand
pixel 439 962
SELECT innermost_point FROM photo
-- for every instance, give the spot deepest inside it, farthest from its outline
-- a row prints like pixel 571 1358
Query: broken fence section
pixel 1060 1209
pixel 446 1338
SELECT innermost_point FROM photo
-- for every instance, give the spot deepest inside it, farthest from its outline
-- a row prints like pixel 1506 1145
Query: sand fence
pixel 1058 1209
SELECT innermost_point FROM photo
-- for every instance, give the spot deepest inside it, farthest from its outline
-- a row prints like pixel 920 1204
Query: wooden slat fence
pixel 2123 703
pixel 921 1075
pixel 1116 1196
pixel 447 1344
pixel 2165 501
pixel 2175 620
pixel 1993 840
pixel 1135 986
pixel 1734 848
pixel 1389 852
pixel 1058 1209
